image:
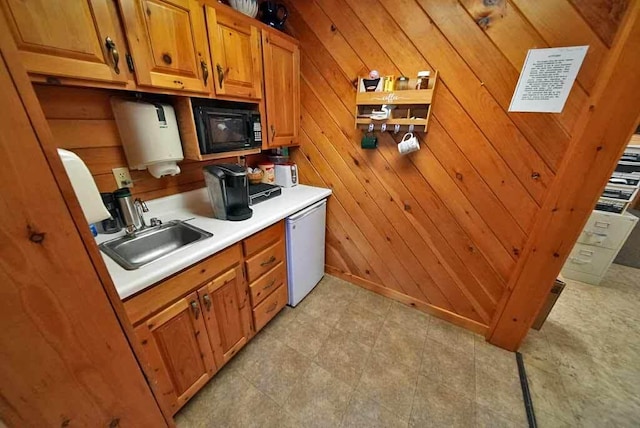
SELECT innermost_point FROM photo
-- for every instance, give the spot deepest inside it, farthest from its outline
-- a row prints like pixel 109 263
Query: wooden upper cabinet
pixel 281 58
pixel 168 42
pixel 177 349
pixel 225 303
pixel 73 39
pixel 235 53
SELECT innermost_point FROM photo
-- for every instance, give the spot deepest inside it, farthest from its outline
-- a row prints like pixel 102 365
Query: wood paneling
pixel 65 360
pixel 601 137
pixel 81 120
pixel 444 228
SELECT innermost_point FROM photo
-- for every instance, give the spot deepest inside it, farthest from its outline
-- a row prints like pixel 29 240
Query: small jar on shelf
pixel 423 80
pixel 402 83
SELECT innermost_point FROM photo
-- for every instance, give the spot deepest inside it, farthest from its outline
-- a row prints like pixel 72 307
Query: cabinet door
pixel 227 314
pixel 282 88
pixel 76 39
pixel 235 54
pixel 178 352
pixel 168 41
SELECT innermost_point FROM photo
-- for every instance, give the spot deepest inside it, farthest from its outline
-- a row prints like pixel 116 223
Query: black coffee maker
pixel 273 14
pixel 228 187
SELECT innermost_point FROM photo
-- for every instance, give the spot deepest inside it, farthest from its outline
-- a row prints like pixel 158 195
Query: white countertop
pixel 195 205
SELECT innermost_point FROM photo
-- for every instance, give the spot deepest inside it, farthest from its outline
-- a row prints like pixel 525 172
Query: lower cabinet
pixel 177 351
pixel 227 314
pixel 194 322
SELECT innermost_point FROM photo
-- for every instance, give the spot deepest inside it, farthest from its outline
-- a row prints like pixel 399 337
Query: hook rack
pixel 393 127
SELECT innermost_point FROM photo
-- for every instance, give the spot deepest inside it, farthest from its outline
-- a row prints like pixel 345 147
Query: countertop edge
pixel 192 257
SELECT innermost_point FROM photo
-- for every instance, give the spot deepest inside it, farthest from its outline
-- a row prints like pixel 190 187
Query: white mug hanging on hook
pixel 408 144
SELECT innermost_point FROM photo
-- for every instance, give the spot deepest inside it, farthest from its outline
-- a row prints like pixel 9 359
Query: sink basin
pixel 148 245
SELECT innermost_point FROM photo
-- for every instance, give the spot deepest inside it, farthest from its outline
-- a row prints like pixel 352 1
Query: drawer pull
pixel 273 307
pixel 578 261
pixel 195 308
pixel 271 284
pixel 207 302
pixel 602 224
pixel 269 261
pixel 587 253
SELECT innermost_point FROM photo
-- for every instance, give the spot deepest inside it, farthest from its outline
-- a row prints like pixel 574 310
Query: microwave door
pixel 226 132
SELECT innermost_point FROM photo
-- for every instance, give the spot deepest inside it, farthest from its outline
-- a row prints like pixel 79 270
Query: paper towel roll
pixel 84 187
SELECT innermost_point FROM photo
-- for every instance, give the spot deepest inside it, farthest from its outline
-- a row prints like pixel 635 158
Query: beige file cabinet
pixel 597 247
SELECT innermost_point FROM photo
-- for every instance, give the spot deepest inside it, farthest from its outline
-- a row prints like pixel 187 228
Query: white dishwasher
pixel 305 250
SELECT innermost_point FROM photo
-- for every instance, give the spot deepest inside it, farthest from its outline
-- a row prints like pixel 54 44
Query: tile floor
pixel 583 366
pixel 348 357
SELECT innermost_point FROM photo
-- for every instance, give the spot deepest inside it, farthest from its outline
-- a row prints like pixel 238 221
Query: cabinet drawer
pixel 268 309
pixel 590 259
pixel 264 286
pixel 265 260
pixel 258 241
pixel 608 231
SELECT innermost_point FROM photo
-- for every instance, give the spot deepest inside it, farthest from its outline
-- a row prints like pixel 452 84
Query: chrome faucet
pixel 141 207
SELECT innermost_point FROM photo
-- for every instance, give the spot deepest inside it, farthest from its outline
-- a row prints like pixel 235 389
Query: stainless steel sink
pixel 132 252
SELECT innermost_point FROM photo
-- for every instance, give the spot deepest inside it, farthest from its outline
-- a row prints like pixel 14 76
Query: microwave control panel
pixel 257 131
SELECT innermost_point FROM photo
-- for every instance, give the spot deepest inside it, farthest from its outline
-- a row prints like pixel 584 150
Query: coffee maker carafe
pixel 228 187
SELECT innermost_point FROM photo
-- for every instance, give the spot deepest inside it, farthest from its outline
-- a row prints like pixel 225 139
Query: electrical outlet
pixel 123 177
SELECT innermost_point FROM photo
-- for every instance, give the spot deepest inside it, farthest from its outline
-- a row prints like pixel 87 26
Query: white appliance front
pixel 305 233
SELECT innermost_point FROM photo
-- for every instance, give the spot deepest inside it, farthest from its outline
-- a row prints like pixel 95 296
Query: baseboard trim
pixel 456 319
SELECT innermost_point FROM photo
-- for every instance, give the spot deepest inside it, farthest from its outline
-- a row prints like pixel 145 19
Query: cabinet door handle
pixel 220 71
pixel 195 308
pixel 207 302
pixel 273 131
pixel 111 47
pixel 271 284
pixel 205 71
pixel 273 307
pixel 269 261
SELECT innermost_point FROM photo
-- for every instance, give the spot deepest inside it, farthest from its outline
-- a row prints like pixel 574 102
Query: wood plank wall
pixel 81 120
pixel 443 228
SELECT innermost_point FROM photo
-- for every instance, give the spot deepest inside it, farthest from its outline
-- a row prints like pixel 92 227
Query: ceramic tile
pixel 326 302
pixel 496 391
pixel 401 342
pixel 496 361
pixel 361 323
pixel 305 334
pixel 406 315
pixel 365 412
pixel 436 404
pixel 371 301
pixel 271 366
pixel 449 334
pixel 318 399
pixel 230 401
pixel 446 365
pixel 343 356
pixel 389 383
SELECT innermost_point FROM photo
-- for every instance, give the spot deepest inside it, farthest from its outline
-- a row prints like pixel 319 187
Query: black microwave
pixel 223 129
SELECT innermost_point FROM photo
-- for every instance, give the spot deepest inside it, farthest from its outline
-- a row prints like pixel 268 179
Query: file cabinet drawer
pixel 605 230
pixel 589 259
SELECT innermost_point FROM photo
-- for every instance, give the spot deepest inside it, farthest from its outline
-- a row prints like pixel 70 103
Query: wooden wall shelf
pixel 412 106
